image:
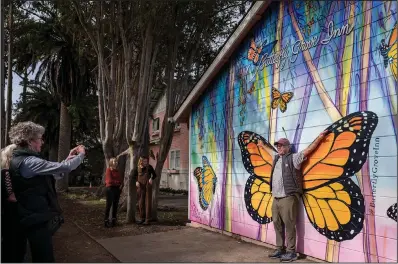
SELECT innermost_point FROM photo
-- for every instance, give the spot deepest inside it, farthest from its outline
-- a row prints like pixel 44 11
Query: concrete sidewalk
pixel 186 245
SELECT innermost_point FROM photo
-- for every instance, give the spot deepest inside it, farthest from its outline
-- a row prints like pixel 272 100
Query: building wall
pixel 324 61
pixel 174 179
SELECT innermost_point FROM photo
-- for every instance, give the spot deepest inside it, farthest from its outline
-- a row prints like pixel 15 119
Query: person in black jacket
pixel 33 181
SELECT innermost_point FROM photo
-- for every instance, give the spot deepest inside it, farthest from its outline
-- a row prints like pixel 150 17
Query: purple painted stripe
pixel 310 82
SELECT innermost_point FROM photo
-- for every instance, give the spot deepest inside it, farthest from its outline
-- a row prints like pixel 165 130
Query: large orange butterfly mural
pixel 333 203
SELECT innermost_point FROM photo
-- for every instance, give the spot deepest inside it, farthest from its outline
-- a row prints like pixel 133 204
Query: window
pixel 155 124
pixel 174 160
pixel 177 127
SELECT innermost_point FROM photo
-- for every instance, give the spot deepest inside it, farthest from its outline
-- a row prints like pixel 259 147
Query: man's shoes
pixel 140 222
pixel 146 223
pixel 107 224
pixel 289 256
pixel 113 223
pixel 276 254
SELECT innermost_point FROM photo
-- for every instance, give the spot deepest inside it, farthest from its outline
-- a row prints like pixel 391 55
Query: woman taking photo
pixel 113 182
pixel 33 182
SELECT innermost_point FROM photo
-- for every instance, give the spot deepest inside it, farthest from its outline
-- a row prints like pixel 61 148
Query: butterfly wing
pixel 267 48
pixel 197 173
pixel 258 163
pixel 336 210
pixel 252 52
pixel 208 183
pixel 276 98
pixel 338 157
pixel 392 212
pixel 392 53
pixel 285 98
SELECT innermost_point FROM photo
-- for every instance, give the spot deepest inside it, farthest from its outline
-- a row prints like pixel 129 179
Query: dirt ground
pixel 84 214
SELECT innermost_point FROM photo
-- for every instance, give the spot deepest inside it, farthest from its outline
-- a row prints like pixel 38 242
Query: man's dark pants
pixel 284 215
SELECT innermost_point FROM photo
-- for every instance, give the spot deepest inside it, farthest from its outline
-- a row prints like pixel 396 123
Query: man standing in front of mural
pixel 286 188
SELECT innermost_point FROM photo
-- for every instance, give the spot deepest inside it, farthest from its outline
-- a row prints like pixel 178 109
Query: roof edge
pixel 253 15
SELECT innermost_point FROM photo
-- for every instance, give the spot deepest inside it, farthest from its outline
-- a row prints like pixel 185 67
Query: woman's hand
pixel 81 149
pixel 137 184
pixel 150 181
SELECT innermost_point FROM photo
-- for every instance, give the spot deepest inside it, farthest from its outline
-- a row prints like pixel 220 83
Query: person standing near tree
pixel 33 181
pixel 144 174
pixel 113 183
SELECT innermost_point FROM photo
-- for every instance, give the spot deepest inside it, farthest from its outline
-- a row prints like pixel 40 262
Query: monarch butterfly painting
pixel 389 52
pixel 333 202
pixel 254 52
pixel 207 180
pixel 280 99
pixel 392 212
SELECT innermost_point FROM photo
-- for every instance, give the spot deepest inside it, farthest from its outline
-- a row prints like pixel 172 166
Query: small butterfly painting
pixel 280 99
pixel 207 180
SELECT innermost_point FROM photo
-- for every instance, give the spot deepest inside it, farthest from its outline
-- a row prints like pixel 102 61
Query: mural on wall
pixel 207 180
pixel 392 212
pixel 306 66
pixel 280 99
pixel 389 52
pixel 333 202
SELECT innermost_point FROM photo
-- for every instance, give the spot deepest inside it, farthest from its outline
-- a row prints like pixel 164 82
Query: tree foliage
pixel 120 56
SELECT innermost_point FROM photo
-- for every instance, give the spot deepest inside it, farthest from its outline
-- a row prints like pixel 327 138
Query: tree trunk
pixel 64 144
pixel 165 145
pixel 2 79
pixel 53 152
pixel 9 77
pixel 131 188
pixel 25 87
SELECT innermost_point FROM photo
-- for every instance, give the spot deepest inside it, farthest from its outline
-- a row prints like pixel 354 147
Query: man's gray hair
pixel 23 132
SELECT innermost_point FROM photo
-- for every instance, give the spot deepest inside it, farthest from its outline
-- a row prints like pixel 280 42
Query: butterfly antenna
pixel 284 131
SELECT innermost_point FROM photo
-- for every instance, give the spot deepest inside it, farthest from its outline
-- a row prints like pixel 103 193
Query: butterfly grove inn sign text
pixel 292 51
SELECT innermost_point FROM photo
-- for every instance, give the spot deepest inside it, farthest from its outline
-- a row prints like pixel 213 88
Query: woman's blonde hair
pixel 112 163
pixel 6 155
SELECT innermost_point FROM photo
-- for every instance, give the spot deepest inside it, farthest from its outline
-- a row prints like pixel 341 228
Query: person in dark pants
pixel 33 182
pixel 286 188
pixel 144 174
pixel 114 186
